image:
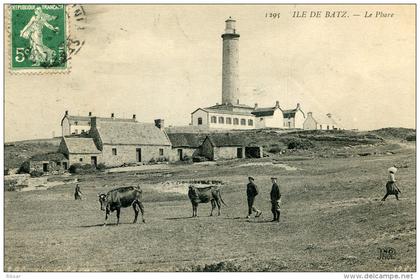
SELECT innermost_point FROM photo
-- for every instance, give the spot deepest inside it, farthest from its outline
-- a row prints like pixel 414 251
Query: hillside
pixel 15 153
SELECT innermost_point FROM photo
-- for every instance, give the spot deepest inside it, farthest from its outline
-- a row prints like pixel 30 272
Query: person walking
pixel 275 197
pixel 391 186
pixel 251 193
pixel 77 193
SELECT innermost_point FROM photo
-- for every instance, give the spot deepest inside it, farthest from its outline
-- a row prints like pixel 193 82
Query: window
pixel 221 120
pixel 261 119
pixel 114 151
pixel 83 131
pixel 213 119
pixel 76 123
pixel 80 159
pixel 200 121
pixel 250 122
pixel 76 131
pixel 243 121
pixel 161 152
pixel 228 121
pixel 328 127
pixel 320 126
pixel 235 121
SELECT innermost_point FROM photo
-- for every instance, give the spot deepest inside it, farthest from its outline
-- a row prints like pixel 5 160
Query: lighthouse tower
pixel 230 72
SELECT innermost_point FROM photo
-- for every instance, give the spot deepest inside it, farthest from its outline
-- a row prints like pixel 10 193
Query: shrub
pixel 36 173
pixel 199 159
pixel 274 149
pixel 411 137
pixel 24 168
pixel 77 168
pixel 152 161
pixel 101 167
pixel 299 144
pixel 187 158
pixel 162 159
pixel 74 167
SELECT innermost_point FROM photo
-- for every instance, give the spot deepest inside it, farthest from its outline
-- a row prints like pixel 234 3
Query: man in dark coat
pixel 77 192
pixel 275 197
pixel 251 193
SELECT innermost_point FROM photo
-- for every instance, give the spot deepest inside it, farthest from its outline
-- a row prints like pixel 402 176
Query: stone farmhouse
pixel 115 143
pixel 185 145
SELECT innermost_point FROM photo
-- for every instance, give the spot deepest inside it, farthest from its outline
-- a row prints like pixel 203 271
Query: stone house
pixel 321 122
pixel 80 150
pixel 185 145
pixel 130 142
pixel 50 162
pixel 226 146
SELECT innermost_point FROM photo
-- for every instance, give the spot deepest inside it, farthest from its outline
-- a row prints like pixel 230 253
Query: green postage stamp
pixel 37 37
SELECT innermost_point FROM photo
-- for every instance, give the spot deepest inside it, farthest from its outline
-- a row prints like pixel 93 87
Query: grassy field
pixel 332 218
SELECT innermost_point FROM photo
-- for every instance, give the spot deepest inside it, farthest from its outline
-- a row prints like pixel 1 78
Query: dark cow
pixel 121 198
pixel 204 195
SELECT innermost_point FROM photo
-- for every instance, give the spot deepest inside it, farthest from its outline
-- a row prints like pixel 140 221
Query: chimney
pixel 90 114
pixel 67 113
pixel 237 101
pixel 255 106
pixel 329 115
pixel 160 123
pixel 112 116
pixel 310 114
pixel 277 104
pixel 298 106
pixel 134 117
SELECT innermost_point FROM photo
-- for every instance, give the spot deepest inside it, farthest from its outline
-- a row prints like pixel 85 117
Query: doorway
pixel 138 155
pixel 239 153
pixel 45 167
pixel 93 160
pixel 180 157
pixel 252 152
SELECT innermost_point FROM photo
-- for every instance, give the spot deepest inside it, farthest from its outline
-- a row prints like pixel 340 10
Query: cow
pixel 204 195
pixel 120 198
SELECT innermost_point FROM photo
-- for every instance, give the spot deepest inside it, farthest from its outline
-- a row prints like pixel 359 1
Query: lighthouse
pixel 230 71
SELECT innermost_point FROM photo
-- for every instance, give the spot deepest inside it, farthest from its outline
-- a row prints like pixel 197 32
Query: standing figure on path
pixel 275 197
pixel 391 186
pixel 251 193
pixel 77 192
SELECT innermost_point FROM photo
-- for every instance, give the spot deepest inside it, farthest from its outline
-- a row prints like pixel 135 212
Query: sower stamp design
pixel 38 37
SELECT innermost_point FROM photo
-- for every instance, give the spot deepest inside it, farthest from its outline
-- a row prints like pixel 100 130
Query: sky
pixel 165 61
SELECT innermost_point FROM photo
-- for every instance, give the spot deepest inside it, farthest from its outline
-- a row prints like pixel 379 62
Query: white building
pixel 321 122
pixel 224 117
pixel 294 118
pixel 268 117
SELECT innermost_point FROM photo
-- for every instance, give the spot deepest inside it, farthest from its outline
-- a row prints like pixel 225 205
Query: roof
pixel 264 112
pixel 226 140
pixel 131 133
pixel 86 120
pixel 81 145
pixel 186 140
pixel 289 113
pixel 48 157
pixel 324 119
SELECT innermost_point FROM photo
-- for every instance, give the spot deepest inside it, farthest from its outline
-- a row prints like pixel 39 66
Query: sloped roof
pixel 264 112
pixel 186 140
pixel 289 113
pixel 86 120
pixel 324 119
pixel 49 157
pixel 131 133
pixel 226 140
pixel 81 145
